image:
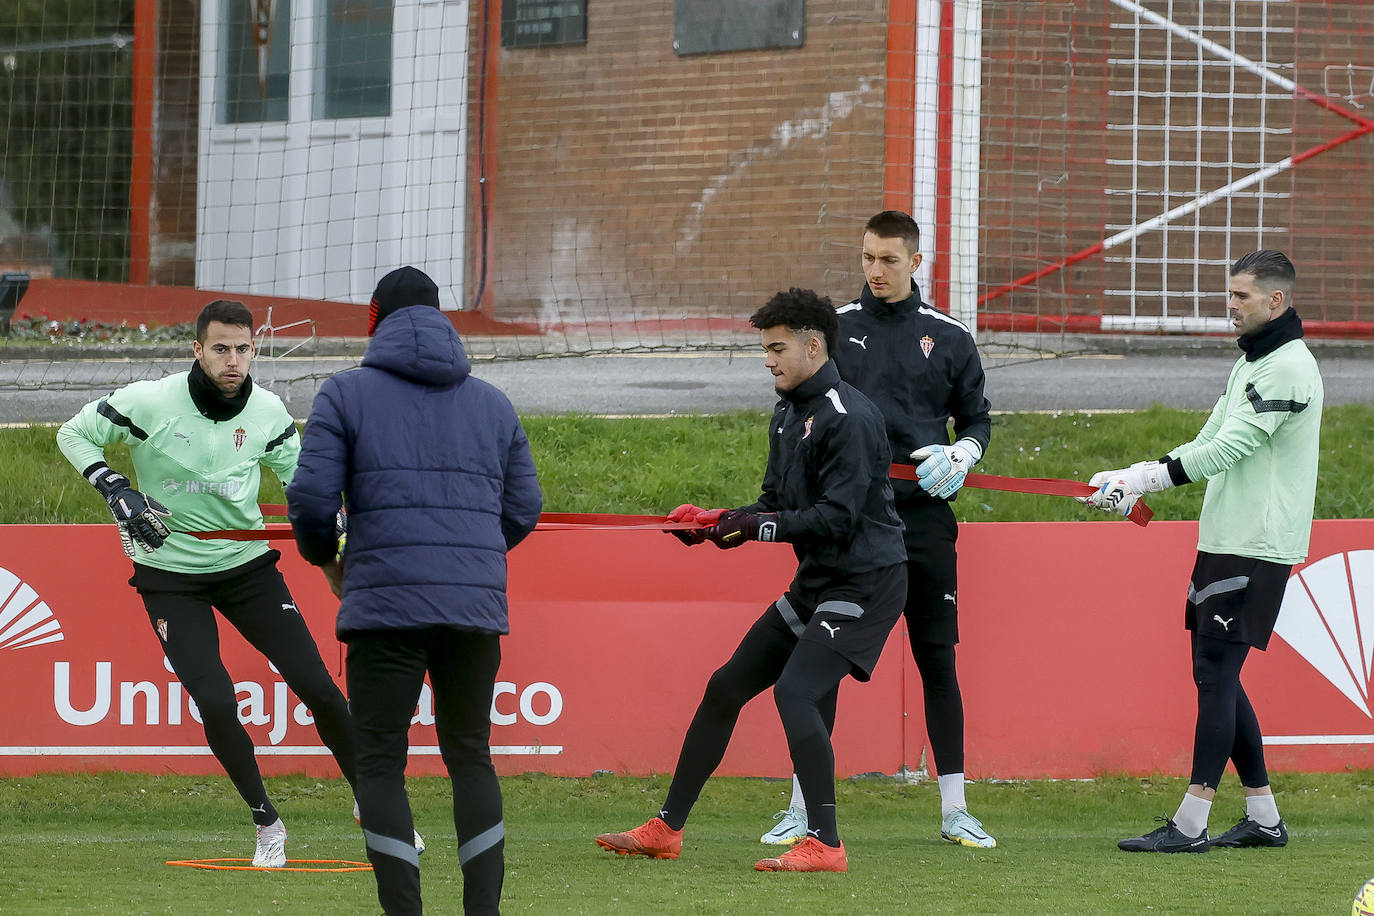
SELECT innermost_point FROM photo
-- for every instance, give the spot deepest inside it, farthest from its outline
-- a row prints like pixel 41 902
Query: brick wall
pixel 628 181
pixel 172 225
pixel 633 182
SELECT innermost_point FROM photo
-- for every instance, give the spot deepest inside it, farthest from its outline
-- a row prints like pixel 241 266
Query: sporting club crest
pixel 240 436
pixel 806 430
pixel 927 344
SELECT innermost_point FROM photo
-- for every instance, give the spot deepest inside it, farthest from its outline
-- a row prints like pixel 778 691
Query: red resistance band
pixel 592 521
pixel 1042 486
pixel 549 521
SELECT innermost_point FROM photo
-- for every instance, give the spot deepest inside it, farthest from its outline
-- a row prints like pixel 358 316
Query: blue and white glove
pixel 942 468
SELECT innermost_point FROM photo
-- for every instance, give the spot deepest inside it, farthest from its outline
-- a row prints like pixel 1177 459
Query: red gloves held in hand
pixel 728 527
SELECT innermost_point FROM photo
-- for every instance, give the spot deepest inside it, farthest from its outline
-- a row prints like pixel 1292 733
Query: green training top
pixel 1258 451
pixel 206 472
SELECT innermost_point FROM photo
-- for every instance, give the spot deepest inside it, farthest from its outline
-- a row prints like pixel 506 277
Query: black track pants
pixel 804 673
pixel 255 600
pixel 386 669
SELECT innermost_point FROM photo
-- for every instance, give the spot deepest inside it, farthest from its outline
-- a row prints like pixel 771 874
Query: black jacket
pixel 920 367
pixel 827 480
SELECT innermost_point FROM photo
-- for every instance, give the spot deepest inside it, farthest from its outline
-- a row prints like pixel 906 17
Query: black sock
pixel 264 814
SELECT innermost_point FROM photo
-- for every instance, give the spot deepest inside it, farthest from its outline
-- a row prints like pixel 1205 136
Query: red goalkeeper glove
pixel 690 513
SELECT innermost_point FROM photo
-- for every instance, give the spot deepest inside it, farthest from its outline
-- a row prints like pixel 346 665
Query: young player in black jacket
pixel 826 492
pixel 922 370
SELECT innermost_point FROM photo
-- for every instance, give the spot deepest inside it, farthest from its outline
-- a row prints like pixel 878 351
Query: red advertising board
pixel 1073 659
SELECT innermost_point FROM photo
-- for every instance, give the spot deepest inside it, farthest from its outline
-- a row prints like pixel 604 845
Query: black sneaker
pixel 1248 833
pixel 1165 839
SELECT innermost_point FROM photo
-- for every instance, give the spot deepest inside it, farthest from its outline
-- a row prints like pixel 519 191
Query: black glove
pixel 735 527
pixel 689 536
pixel 139 517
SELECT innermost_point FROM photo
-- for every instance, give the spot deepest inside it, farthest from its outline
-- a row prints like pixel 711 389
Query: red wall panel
pixel 1073 662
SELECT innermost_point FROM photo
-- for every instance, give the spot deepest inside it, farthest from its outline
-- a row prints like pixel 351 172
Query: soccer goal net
pixel 616 175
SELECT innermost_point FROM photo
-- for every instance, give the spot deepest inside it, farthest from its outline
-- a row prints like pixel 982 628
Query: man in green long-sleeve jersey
pixel 197 440
pixel 1258 454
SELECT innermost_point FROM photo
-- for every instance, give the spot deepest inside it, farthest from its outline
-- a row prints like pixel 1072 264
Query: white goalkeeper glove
pixel 1118 491
pixel 1113 494
pixel 942 468
pixel 1141 477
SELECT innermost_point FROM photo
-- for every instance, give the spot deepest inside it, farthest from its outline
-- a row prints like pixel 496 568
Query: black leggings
pixel 1226 722
pixel 801 673
pixel 386 669
pixel 256 601
pixel 944 705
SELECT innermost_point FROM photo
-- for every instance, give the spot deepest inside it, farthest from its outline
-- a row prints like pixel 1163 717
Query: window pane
pixel 711 26
pixel 257 54
pixel 357 59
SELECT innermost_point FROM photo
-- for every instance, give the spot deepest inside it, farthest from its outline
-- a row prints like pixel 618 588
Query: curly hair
pixel 800 310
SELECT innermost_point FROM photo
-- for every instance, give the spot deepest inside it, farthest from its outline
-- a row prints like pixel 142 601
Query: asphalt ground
pixel 1090 374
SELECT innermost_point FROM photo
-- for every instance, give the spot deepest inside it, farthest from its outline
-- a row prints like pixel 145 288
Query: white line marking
pixel 1318 739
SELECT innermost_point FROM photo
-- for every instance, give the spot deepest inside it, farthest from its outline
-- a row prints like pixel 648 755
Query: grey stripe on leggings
pixel 481 843
pixel 789 616
pixel 397 849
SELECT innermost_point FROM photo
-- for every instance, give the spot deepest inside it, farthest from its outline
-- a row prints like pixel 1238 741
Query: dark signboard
pixel 706 26
pixel 539 23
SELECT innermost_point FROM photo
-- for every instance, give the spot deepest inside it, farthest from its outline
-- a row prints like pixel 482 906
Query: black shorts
pixel 1235 598
pixel 853 617
pixel 932 609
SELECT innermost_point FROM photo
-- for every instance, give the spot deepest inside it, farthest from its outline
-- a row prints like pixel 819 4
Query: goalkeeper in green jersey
pixel 1258 453
pixel 197 439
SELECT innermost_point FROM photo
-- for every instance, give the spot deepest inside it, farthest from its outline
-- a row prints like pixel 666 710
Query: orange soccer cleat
pixel 655 839
pixel 808 855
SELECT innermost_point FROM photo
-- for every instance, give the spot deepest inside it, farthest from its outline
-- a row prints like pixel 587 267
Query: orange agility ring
pixel 320 865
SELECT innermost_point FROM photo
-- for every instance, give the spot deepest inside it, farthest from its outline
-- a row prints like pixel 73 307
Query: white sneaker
pixel 419 840
pixel 790 829
pixel 271 851
pixel 963 828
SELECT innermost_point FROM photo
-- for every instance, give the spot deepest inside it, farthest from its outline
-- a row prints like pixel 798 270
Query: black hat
pixel 399 289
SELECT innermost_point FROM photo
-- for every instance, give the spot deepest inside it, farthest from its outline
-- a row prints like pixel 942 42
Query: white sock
pixel 951 792
pixel 1262 809
pixel 1191 817
pixel 797 801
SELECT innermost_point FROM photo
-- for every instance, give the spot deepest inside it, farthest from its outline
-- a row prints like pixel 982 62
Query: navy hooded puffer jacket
pixel 436 473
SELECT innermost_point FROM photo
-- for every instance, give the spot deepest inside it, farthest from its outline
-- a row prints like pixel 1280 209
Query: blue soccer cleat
pixel 963 828
pixel 790 829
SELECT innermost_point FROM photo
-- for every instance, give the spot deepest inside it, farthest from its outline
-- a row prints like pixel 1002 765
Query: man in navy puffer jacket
pixel 436 476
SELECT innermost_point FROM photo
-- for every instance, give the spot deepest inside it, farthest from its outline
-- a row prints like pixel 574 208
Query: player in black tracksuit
pixel 825 491
pixel 922 370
